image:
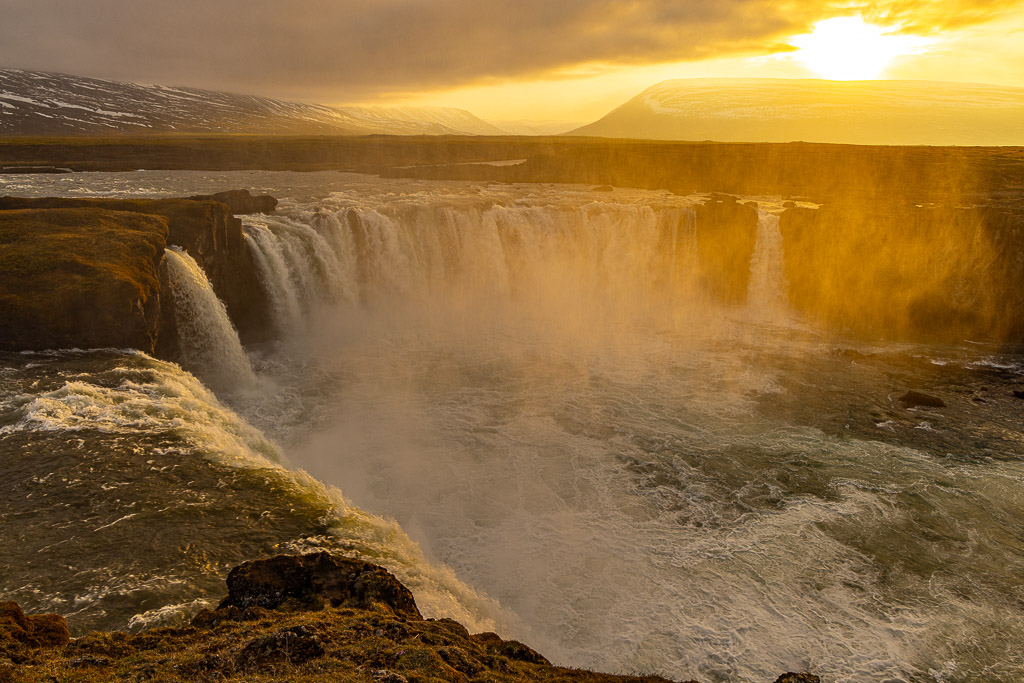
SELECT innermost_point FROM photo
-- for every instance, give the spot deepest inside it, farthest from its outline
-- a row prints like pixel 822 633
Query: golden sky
pixel 570 60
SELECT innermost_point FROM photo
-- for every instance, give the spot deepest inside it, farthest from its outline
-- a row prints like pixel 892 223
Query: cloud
pixel 335 50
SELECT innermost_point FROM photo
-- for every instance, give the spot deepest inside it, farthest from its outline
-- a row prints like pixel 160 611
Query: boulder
pixel 915 399
pixel 791 677
pixel 241 201
pixel 307 581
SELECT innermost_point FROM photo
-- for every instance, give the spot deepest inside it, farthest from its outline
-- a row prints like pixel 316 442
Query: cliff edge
pixel 314 617
pixel 88 272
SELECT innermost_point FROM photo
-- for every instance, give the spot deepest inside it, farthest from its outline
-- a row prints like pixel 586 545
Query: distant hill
pixel 858 112
pixel 38 103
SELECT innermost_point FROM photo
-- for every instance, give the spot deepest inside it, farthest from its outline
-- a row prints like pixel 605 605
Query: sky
pixel 554 60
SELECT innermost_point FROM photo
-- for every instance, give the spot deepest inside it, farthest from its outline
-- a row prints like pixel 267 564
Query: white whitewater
pixel 767 289
pixel 626 257
pixel 209 343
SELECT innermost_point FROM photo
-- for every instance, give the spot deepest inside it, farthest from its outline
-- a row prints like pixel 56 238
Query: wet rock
pixel 726 235
pixel 241 201
pixel 307 581
pixel 1018 394
pixel 797 678
pixel 293 645
pixel 604 188
pixel 915 399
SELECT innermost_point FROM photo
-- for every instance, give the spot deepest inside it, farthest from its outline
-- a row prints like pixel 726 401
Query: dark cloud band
pixel 330 50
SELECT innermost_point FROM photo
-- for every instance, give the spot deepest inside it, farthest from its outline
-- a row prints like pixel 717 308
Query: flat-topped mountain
pixel 39 103
pixel 854 112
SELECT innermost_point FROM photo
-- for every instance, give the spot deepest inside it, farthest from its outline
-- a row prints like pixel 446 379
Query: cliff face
pixel 206 229
pixel 726 236
pixel 923 273
pixel 80 277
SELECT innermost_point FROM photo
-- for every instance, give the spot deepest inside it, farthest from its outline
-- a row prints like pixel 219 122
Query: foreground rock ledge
pixel 312 617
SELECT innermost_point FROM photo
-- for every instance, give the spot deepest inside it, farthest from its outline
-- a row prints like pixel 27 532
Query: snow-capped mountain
pixel 782 110
pixel 38 103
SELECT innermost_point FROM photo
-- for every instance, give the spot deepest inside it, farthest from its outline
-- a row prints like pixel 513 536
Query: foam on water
pixel 151 397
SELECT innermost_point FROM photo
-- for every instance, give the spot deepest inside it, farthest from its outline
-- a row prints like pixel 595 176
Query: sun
pixel 848 48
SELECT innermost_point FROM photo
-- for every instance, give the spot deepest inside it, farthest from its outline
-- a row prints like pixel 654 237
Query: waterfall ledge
pixel 90 273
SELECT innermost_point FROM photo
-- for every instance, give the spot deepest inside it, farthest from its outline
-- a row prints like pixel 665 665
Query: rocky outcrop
pixel 207 230
pixel 726 235
pixel 80 277
pixel 307 581
pixel 311 617
pixel 240 201
pixel 314 617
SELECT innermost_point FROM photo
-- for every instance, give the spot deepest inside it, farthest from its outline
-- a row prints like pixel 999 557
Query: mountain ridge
pixel 45 103
pixel 816 110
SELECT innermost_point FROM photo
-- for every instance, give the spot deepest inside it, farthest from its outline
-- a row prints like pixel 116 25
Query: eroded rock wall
pixel 898 271
pixel 80 277
pixel 208 231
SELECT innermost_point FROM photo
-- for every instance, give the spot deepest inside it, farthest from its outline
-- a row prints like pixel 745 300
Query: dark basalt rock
pixel 726 235
pixel 312 617
pixel 306 581
pixel 791 677
pixel 1018 394
pixel 34 169
pixel 915 399
pixel 241 201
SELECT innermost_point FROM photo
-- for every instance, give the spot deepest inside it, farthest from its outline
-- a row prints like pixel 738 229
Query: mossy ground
pixel 336 644
pixel 65 270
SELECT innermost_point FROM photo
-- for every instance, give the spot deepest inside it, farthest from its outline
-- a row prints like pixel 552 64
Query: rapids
pixel 520 400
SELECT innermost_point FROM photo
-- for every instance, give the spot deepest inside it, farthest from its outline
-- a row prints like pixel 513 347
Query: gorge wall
pixel 904 271
pixel 91 272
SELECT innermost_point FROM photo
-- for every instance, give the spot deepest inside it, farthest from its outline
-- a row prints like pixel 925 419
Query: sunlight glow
pixel 848 48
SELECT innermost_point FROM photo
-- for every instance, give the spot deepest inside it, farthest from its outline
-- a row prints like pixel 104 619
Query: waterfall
pixel 767 289
pixel 209 344
pixel 600 253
